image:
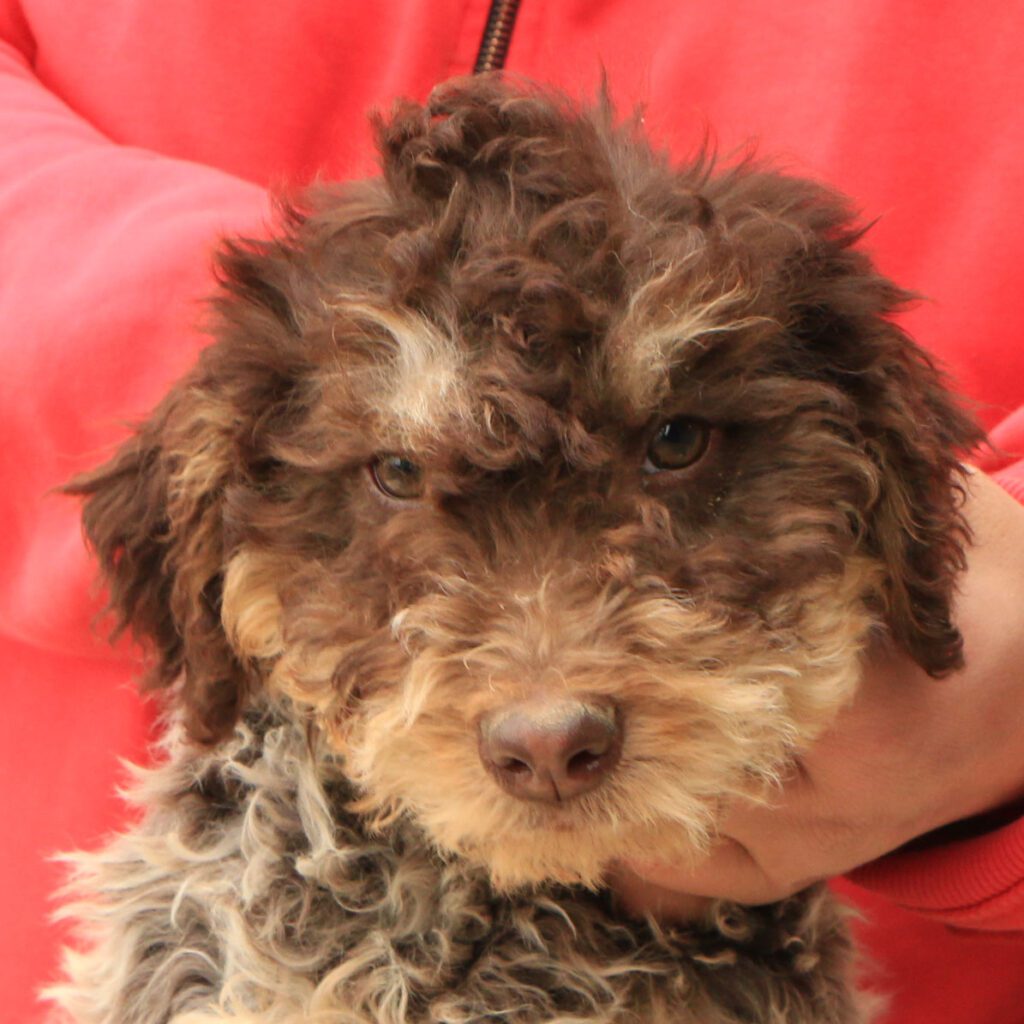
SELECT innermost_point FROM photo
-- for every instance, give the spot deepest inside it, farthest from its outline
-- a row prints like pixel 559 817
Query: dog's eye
pixel 398 477
pixel 677 444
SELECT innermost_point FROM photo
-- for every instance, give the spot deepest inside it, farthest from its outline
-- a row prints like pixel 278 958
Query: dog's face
pixel 560 489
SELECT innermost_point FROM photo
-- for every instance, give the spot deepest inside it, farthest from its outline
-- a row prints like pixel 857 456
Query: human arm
pixel 105 253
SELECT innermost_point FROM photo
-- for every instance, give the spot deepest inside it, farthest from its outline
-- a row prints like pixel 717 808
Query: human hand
pixel 910 754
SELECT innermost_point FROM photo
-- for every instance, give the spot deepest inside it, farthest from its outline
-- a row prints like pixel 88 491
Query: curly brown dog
pixel 535 499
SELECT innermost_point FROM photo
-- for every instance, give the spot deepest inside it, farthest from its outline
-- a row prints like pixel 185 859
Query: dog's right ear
pixel 152 514
pixel 155 513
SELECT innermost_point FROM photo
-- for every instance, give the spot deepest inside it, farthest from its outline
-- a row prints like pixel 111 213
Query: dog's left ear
pixel 911 428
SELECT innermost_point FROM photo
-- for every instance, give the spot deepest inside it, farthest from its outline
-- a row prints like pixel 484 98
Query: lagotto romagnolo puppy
pixel 533 500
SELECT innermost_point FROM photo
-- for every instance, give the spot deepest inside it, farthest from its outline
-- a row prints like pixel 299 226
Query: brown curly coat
pixel 515 309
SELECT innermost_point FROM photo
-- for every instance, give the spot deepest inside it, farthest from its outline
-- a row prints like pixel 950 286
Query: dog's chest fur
pixel 250 894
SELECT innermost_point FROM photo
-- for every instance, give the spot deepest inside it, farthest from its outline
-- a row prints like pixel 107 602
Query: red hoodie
pixel 134 133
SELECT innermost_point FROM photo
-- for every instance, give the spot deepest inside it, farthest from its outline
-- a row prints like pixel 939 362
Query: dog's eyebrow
pixel 665 319
pixel 420 381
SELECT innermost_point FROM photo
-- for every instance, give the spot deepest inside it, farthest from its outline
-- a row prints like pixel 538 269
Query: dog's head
pixel 560 488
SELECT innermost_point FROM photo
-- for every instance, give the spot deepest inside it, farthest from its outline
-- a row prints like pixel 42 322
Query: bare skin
pixel 910 754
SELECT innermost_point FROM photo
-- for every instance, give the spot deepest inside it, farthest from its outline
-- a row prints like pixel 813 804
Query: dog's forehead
pixel 438 383
pixel 588 307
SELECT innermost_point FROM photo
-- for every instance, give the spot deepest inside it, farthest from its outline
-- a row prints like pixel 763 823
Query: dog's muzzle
pixel 550 751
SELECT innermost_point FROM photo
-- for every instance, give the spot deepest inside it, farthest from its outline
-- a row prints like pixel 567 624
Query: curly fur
pixel 515 305
pixel 250 894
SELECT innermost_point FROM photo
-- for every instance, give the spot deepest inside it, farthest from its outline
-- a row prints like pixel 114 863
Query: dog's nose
pixel 550 751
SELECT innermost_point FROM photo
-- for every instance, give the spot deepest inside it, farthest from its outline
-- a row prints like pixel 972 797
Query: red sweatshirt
pixel 134 133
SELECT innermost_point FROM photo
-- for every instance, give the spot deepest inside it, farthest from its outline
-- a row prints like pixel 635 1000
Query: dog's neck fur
pixel 249 893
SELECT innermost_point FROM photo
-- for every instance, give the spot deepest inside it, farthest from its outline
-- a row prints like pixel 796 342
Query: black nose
pixel 550 751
